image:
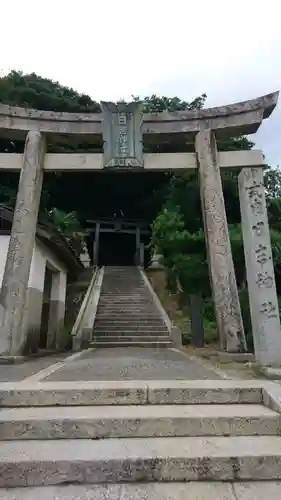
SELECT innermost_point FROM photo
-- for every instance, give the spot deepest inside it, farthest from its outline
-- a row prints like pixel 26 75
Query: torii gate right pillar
pixel 221 268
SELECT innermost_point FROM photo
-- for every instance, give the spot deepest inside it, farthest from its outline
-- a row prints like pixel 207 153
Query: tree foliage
pixel 33 91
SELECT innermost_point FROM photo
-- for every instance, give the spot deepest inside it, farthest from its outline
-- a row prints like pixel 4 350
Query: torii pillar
pixel 221 268
pixel 18 262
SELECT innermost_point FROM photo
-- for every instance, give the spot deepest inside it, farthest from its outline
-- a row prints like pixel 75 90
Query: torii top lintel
pixel 233 119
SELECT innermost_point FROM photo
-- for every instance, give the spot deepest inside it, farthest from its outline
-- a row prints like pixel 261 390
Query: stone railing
pixel 83 326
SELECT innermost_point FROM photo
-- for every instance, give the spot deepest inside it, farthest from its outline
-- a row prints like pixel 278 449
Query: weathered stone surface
pixel 12 360
pixel 238 118
pixel 237 357
pixel 128 289
pixel 136 363
pixel 137 421
pixel 221 268
pixel 271 373
pixel 272 396
pixel 122 137
pixel 56 337
pixel 132 342
pixel 176 336
pixel 157 162
pixel 167 491
pixel 17 372
pixel 255 490
pixel 73 394
pixel 16 274
pixel 138 392
pixel 36 463
pixel 32 319
pixel 204 392
pixel 259 268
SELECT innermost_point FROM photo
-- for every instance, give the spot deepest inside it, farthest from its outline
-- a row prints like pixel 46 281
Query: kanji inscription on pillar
pixel 122 135
pixel 259 267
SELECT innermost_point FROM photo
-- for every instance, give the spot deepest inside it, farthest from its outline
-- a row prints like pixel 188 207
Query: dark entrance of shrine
pixel 117 249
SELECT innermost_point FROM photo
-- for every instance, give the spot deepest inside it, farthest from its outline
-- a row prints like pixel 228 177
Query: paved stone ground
pixel 132 363
pixel 17 372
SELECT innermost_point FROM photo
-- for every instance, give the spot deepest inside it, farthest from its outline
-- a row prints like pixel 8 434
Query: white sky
pixel 111 49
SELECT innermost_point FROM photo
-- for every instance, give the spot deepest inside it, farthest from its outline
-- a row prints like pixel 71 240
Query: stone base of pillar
pixel 176 336
pixel 12 360
pixel 271 373
pixel 236 357
pixel 156 262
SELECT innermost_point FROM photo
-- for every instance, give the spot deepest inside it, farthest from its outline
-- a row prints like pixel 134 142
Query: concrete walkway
pixel 18 372
pixel 126 363
pixel 131 363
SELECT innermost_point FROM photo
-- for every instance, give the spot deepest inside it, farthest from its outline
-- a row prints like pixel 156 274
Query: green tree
pixel 33 91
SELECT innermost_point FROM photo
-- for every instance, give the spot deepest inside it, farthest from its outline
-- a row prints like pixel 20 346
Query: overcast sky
pixel 111 49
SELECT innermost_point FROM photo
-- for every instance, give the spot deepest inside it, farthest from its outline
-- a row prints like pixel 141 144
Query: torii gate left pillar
pixel 21 245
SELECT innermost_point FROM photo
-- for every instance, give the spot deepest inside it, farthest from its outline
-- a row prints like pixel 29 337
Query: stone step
pixel 101 422
pixel 110 289
pixel 125 318
pixel 128 307
pixel 134 334
pixel 120 297
pixel 127 285
pixel 131 343
pixel 193 490
pixel 130 300
pixel 133 278
pixel 91 393
pixel 137 334
pixel 119 312
pixel 139 319
pixel 131 329
pixel 131 339
pixel 126 300
pixel 128 304
pixel 121 322
pixel 126 288
pixel 38 463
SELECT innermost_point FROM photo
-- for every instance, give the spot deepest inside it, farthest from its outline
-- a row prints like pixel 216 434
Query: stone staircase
pixel 153 440
pixel 127 314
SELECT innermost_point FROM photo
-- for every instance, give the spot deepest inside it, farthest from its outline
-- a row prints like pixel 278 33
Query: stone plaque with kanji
pixel 122 135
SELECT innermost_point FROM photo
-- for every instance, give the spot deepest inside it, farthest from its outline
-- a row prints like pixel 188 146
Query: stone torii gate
pixel 121 130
